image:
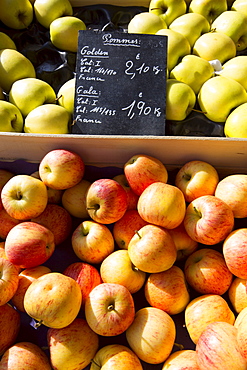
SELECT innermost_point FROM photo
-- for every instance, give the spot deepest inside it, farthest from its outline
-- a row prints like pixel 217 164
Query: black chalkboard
pixel 120 84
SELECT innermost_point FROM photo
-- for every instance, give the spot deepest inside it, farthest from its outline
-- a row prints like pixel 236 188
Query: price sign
pixel 120 84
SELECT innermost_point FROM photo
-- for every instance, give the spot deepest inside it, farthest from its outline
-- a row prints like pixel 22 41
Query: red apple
pixel 184 244
pixel 86 275
pixel 109 309
pixel 235 252
pixel 10 320
pixel 206 271
pixel 142 170
pixel 106 201
pixel 197 178
pixel 6 223
pixel 58 220
pixel 74 199
pixel 61 169
pixel 132 198
pixel 179 359
pixel 92 241
pixel 217 348
pixel 162 204
pixel 29 244
pixel 125 228
pixel 241 325
pixel 9 280
pixel 208 220
pixel 237 293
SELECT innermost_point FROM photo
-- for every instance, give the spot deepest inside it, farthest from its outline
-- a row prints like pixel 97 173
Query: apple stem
pixel 137 232
pixel 198 111
pixel 110 307
pixel 38 324
pixel 19 195
pixel 180 346
pixel 197 212
pixel 95 363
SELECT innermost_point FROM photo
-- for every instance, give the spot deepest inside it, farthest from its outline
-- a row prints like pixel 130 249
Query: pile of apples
pixel 147 246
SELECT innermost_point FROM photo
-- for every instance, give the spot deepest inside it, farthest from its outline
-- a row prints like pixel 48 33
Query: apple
pixel 146 22
pixel 25 355
pixel 233 24
pixel 232 189
pixel 180 100
pixel 72 347
pixel 124 229
pixel 237 294
pixel 234 125
pixel 6 223
pixel 168 10
pixel 117 268
pixel 74 199
pixel 11 117
pixel 64 32
pixel 152 249
pixel 177 46
pixel 26 277
pixel 203 310
pixel 208 8
pixel 6 42
pixel 235 252
pixel 16 14
pixel 48 119
pixel 29 93
pixel 53 300
pixel 92 241
pixel 217 348
pixel 151 335
pixel 58 220
pixel 115 357
pixel 240 325
pixel 24 197
pixel 54 195
pixel 162 204
pixel 8 280
pixel 61 169
pixel 14 66
pixel 86 275
pixel 142 170
pixel 207 273
pixel 10 323
pixel 29 244
pixel 109 309
pixel 215 45
pixel 240 6
pixel 191 25
pixel 193 71
pixel 132 197
pixel 236 68
pixel 203 217
pixel 178 359
pixel 183 242
pixel 106 201
pixel 167 290
pixel 46 11
pixel 196 178
pixel 66 95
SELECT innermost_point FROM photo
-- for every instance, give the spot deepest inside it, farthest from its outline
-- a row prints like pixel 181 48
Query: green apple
pixel 235 125
pixel 177 46
pixel 11 119
pixel 193 71
pixel 210 9
pixel 180 100
pixel 6 41
pixel 48 119
pixel 236 68
pixel 168 9
pixel 13 67
pixel 239 6
pixel 234 25
pixel 66 95
pixel 29 93
pixel 219 96
pixel 146 22
pixel 215 45
pixel 48 10
pixel 64 32
pixel 16 14
pixel 191 25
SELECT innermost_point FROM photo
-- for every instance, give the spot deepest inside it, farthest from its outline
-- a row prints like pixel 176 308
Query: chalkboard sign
pixel 120 84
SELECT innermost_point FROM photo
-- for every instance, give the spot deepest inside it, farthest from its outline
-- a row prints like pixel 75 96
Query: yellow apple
pixel 146 22
pixel 46 10
pixel 66 94
pixel 11 119
pixel 180 99
pixel 236 68
pixel 6 41
pixel 235 125
pixel 210 9
pixel 16 14
pixel 239 6
pixel 168 10
pixel 74 199
pixel 64 32
pixel 219 96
